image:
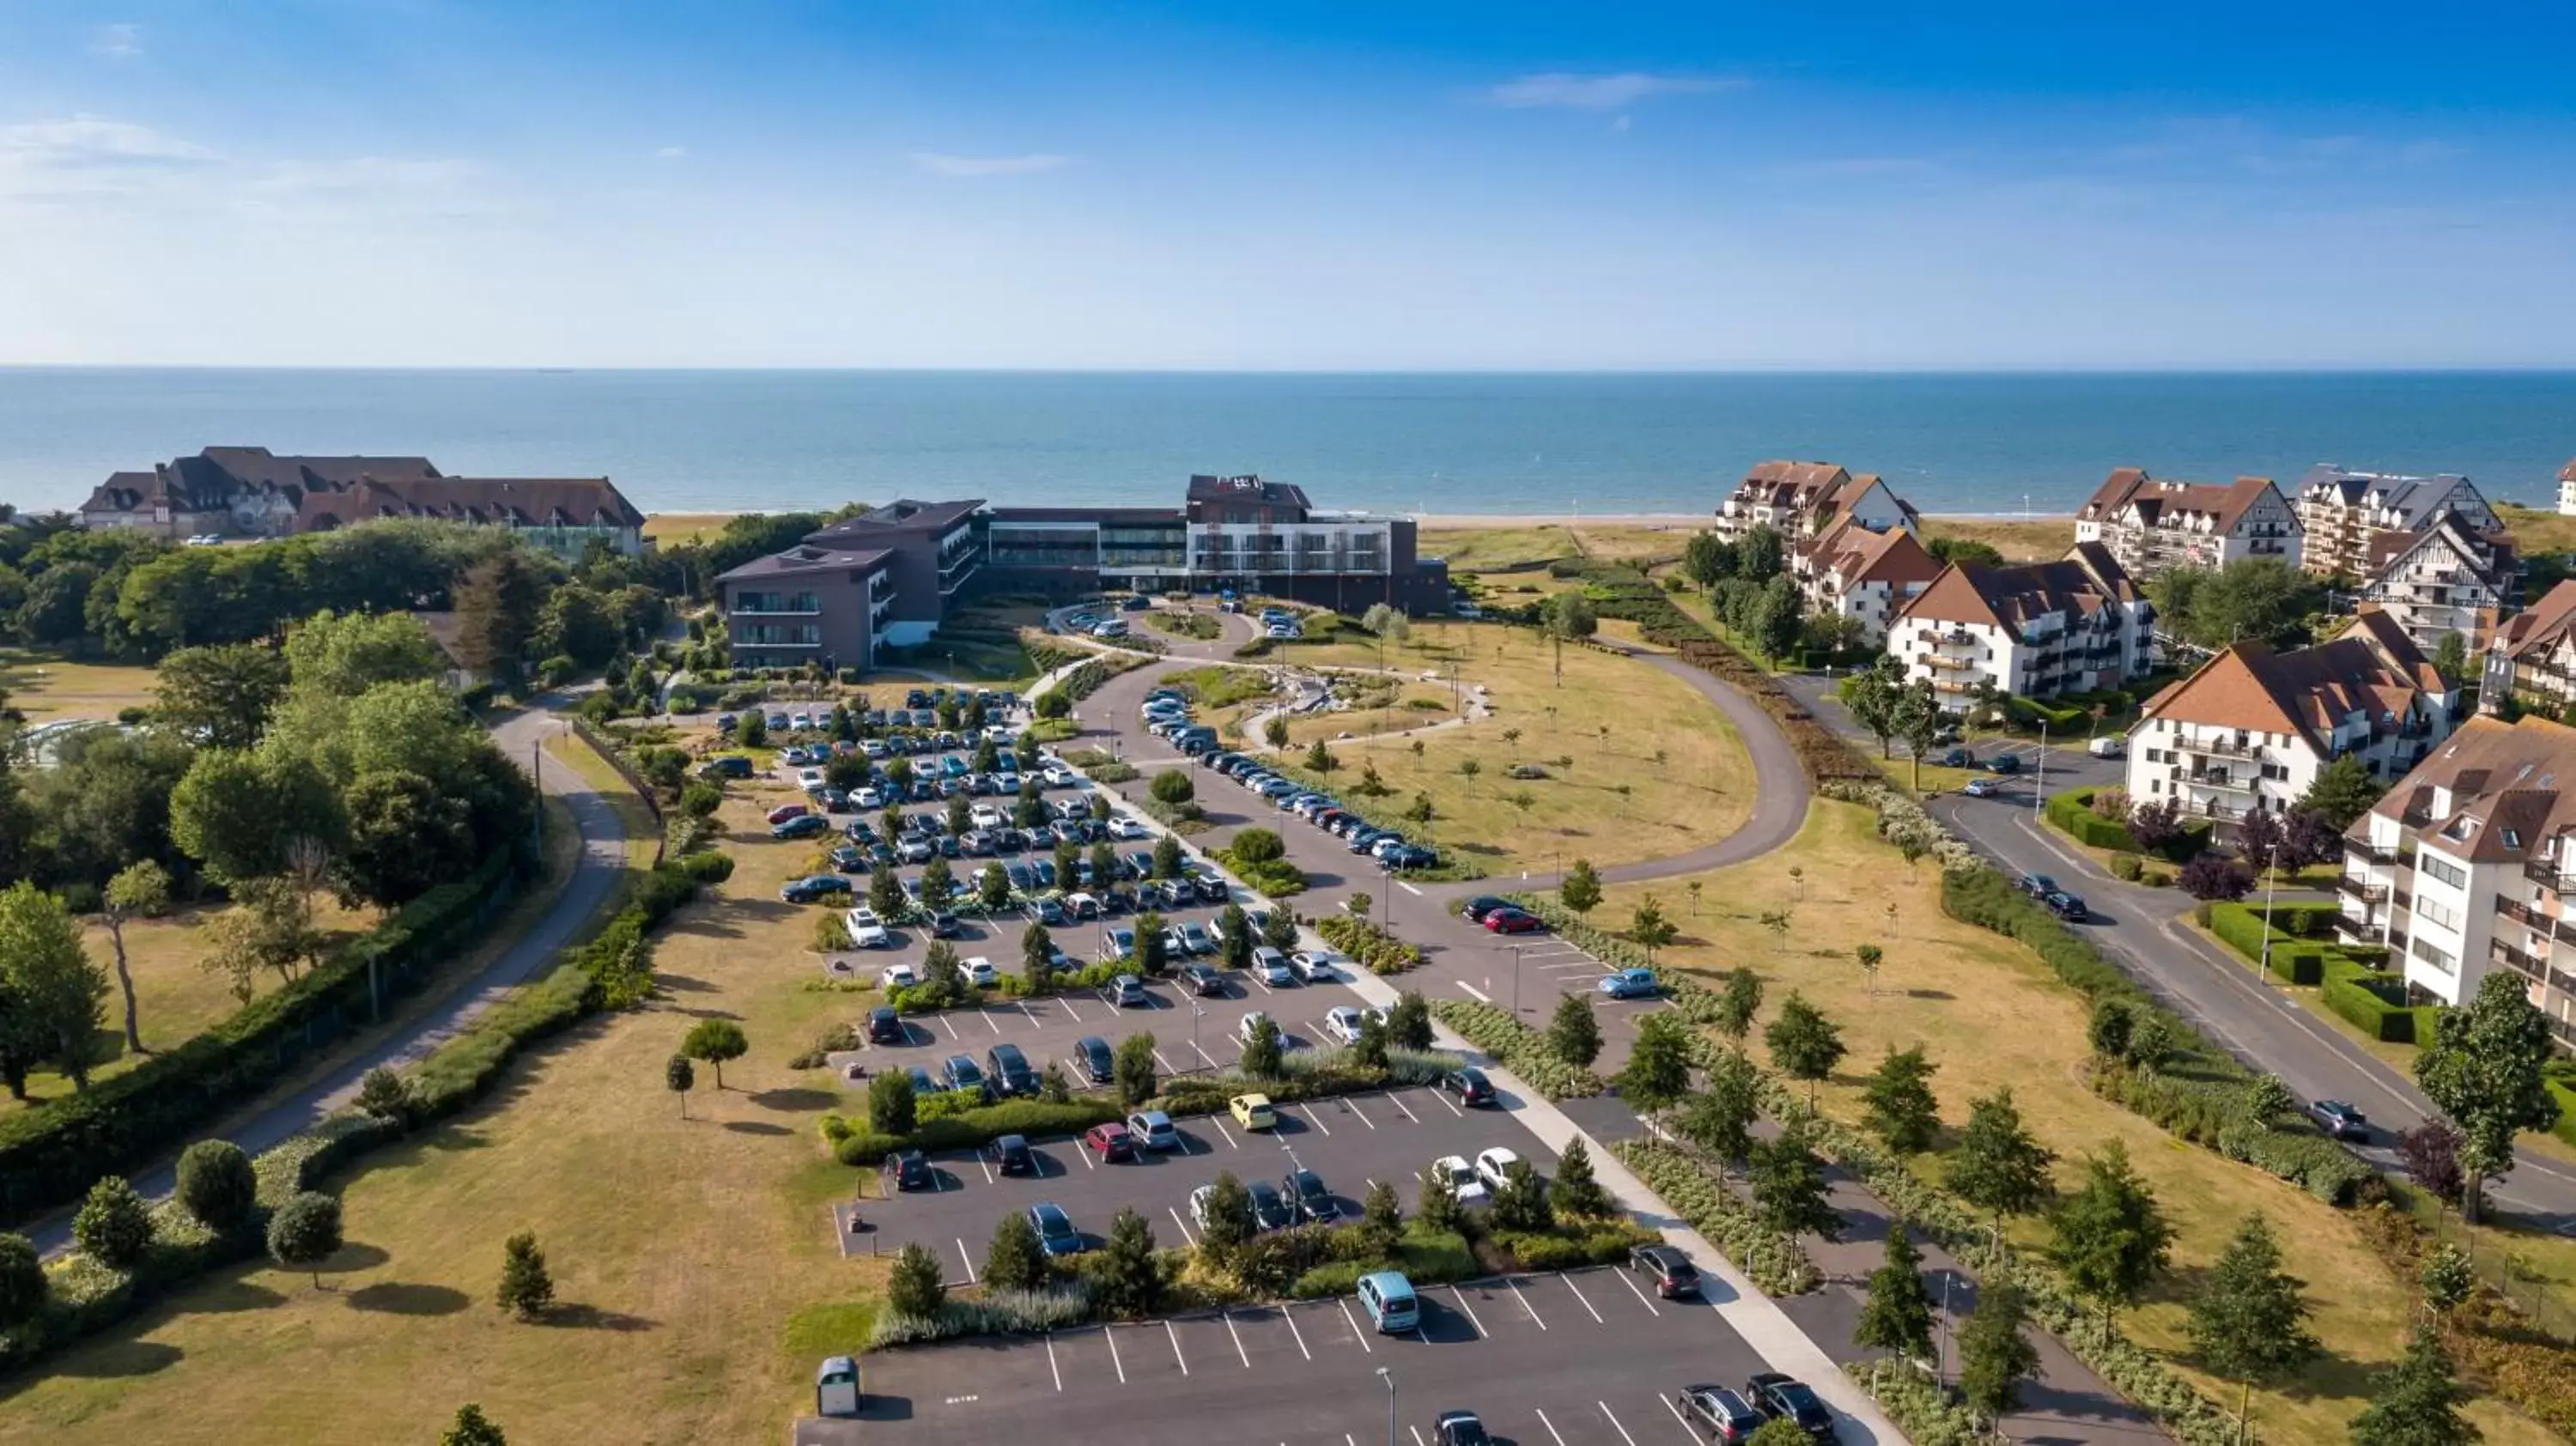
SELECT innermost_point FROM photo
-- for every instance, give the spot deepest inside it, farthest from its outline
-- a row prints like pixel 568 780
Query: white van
pixel 2105 748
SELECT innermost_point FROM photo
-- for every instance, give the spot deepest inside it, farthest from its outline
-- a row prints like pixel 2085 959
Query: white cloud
pixel 1562 90
pixel 94 140
pixel 1028 165
pixel 671 153
pixel 119 41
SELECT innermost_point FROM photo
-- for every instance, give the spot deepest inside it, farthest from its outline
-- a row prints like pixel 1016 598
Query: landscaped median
pixel 1517 1047
pixel 1775 1262
pixel 1377 951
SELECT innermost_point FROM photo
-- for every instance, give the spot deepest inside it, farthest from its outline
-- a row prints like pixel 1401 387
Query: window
pixel 2443 869
pixel 2435 957
pixel 2437 911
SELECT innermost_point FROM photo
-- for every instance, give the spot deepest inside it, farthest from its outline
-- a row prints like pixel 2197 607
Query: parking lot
pixel 1569 1359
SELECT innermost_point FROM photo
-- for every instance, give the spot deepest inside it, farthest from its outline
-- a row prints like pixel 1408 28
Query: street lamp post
pixel 1198 1012
pixel 1384 1375
pixel 2039 771
pixel 1516 981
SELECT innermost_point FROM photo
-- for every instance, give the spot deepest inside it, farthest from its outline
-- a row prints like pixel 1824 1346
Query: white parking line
pixel 969 1259
pixel 1165 1063
pixel 1678 1416
pixel 1353 1105
pixel 1203 1054
pixel 1408 888
pixel 948 1024
pixel 1024 1009
pixel 1355 1329
pixel 1296 1334
pixel 1110 1334
pixel 1239 1351
pixel 986 1168
pixel 1614 1422
pixel 1052 1368
pixel 1069 1009
pixel 1315 1117
pixel 1462 1305
pixel 1184 1361
pixel 986 1015
pixel 1185 1225
pixel 1084 1151
pixel 1443 1097
pixel 1518 1295
pixel 1417 1436
pixel 1408 1114
pixel 1639 1294
pixel 1481 996
pixel 1542 1420
pixel 1578 1295
pixel 1230 1142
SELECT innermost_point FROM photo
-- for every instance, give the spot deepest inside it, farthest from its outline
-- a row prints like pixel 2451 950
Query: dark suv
pixel 1786 1398
pixel 1674 1275
pixel 885 1026
pixel 1010 1070
pixel 1481 905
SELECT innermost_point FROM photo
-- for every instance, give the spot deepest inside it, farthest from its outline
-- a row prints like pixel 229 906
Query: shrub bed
pixel 1377 950
pixel 2350 996
pixel 2072 812
pixel 1522 1050
pixel 1777 1263
pixel 1275 878
pixel 1921 1408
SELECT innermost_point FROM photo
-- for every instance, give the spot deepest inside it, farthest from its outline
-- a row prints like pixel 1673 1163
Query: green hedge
pixel 2565 1129
pixel 49 1155
pixel 2373 1015
pixel 2298 959
pixel 2072 812
pixel 2034 713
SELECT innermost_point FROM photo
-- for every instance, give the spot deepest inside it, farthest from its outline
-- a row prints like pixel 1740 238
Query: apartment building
pixel 2445 579
pixel 2348 518
pixel 2150 525
pixel 1808 499
pixel 809 604
pixel 933 550
pixel 2251 729
pixel 2531 656
pixel 2567 490
pixel 1854 572
pixel 2468 866
pixel 2077 625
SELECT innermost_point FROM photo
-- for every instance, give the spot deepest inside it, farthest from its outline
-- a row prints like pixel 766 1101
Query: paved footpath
pixel 603 858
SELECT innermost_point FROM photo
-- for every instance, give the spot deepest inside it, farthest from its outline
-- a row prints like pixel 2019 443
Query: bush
pixel 2126 868
pixel 2355 1000
pixel 1777 1263
pixel 216 1184
pixel 1373 948
pixel 112 1227
pixel 1522 1050
pixel 1000 1312
pixel 1172 786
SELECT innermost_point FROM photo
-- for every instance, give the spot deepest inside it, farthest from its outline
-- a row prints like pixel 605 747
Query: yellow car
pixel 1253 1112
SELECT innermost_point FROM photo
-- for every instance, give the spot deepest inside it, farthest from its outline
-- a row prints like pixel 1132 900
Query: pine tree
pixel 1129 1282
pixel 1382 1220
pixel 1520 1202
pixel 715 1041
pixel 1015 1260
pixel 1994 1357
pixel 1897 1316
pixel 1263 1057
pixel 2111 1238
pixel 1577 1192
pixel 1573 1033
pixel 914 1287
pixel 1901 1110
pixel 2248 1322
pixel 1738 1003
pixel 1790 1194
pixel 1999 1167
pixel 2418 1401
pixel 526 1287
pixel 472 1428
pixel 1658 1068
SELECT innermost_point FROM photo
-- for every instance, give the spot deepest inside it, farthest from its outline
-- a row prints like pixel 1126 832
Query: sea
pixel 1448 443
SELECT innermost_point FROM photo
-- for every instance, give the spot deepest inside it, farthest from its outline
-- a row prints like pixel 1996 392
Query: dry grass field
pixel 1990 1015
pixel 47 688
pixel 2032 539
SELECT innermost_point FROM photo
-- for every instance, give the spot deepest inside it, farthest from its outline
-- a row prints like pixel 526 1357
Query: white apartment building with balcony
pixel 2531 656
pixel 2445 579
pixel 2151 526
pixel 2251 729
pixel 2349 519
pixel 2077 625
pixel 2468 866
pixel 1856 573
pixel 1808 499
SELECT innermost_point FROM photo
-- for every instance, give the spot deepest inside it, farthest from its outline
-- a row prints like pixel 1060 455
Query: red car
pixel 1110 1142
pixel 1513 921
pixel 785 811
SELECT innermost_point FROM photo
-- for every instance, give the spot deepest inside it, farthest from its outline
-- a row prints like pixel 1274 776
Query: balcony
pixel 2362 889
pixel 2516 960
pixel 2523 914
pixel 2355 848
pixel 1944 663
pixel 2545 874
pixel 2233 783
pixel 2220 748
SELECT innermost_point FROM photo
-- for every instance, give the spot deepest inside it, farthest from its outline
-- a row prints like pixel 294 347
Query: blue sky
pixel 1867 185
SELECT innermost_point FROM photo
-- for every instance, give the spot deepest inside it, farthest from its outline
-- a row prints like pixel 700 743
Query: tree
pixel 2344 790
pixel 2251 599
pixel 1650 928
pixel 1320 759
pixel 2448 1277
pixel 1994 1356
pixel 1573 1034
pixel 385 1094
pixel 885 894
pixel 1738 1001
pixel 1279 929
pixel 1015 1260
pixel 1132 1069
pixel 1129 1282
pixel 1381 1227
pixel 1172 786
pixel 2155 826
pixel 344 654
pixel 1408 1024
pixel 139 890
pixel 2247 1320
pixel 993 888
pixel 1274 731
pixel 217 1185
pixel 1037 956
pixel 1439 1209
pixel 113 1227
pixel 1875 695
pixel 914 1287
pixel 22 1282
pixel 1167 853
pixel 892 1110
pixel 1368 1051
pixel 1719 1119
pixel 1706 558
pixel 55 993
pixel 305 1231
pixel 1261 1053
pixel 576 623
pixel 1790 1194
pixel 1520 1202
pixel 2430 1153
pixel 1581 888
pixel 219 697
pixel 1999 1167
pixel 715 1041
pixel 1901 1109
pixel 1869 957
pixel 1229 1220
pixel 1659 1064
pixel 236 812
pixel 404 837
pixel 1803 1043
pixel 1897 1315
pixel 2209 877
pixel 526 1289
pixel 1152 949
pixel 2418 1400
pixel 2110 1236
pixel 1918 719
pixel 679 1077
pixel 496 616
pixel 472 1428
pixel 2267 1099
pixel 2484 1070
pixel 1576 1191
pixel 1567 617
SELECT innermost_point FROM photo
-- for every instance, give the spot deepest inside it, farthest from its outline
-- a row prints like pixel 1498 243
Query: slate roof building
pixel 2348 517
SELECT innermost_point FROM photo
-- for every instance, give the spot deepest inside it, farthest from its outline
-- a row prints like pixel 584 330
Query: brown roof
pixel 211 480
pixel 2534 630
pixel 2371 667
pixel 1861 555
pixel 1799 486
pixel 2499 787
pixel 517 501
pixel 2011 597
pixel 2489 555
pixel 2131 486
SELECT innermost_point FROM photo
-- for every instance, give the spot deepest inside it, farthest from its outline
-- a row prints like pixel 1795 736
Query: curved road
pixel 602 860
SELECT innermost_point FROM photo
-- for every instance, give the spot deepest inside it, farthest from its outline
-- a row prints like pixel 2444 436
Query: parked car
pixel 1011 1074
pixel 866 930
pixel 1154 1130
pixel 804 826
pixel 1203 981
pixel 785 811
pixel 1270 1209
pixel 1110 1142
pixel 1056 1235
pixel 1725 1415
pixel 1494 1164
pixel 1982 788
pixel 962 1073
pixel 944 925
pixel 1463 1181
pixel 730 765
pixel 1342 1022
pixel 911 1170
pixel 1785 1398
pixel 1307 1195
pixel 1630 984
pixel 2340 1120
pixel 885 1026
pixel 1674 1276
pixel 1128 992
pixel 1319 966
pixel 1273 967
pixel 814 888
pixel 1093 1054
pixel 897 976
pixel 1508 920
pixel 1469 1085
pixel 2105 748
pixel 1460 1428
pixel 1253 1112
pixel 1011 1155
pixel 2004 763
pixel 1197 940
pixel 1957 758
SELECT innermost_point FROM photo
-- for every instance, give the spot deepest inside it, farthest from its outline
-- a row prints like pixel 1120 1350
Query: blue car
pixel 1056 1235
pixel 1629 984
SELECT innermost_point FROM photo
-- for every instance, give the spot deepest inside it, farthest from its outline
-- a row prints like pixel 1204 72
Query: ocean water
pixel 679 441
